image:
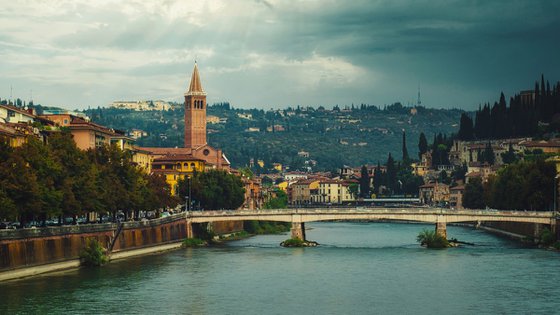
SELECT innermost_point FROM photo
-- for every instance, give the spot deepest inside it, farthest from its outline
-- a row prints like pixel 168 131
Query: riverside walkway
pixel 439 216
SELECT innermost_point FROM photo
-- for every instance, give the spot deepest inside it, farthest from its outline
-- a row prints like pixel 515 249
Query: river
pixel 360 268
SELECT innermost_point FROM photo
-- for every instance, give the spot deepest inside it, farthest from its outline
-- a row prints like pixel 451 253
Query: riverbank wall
pixel 527 230
pixel 29 252
pixel 28 248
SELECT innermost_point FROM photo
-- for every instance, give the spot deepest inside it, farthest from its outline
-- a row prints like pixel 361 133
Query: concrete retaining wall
pixel 34 247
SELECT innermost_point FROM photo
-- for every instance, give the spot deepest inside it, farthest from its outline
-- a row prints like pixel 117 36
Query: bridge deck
pixel 420 214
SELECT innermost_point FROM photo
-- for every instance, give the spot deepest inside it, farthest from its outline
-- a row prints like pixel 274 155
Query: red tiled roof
pixel 167 151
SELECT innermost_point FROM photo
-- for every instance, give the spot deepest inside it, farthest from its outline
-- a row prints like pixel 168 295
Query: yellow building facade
pixel 176 168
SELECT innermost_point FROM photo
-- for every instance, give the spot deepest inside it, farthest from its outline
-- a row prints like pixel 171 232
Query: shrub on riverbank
pixel 266 227
pixel 546 238
pixel 93 254
pixel 431 239
pixel 193 242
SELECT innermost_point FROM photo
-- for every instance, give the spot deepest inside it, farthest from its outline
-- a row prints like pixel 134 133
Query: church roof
pixel 195 88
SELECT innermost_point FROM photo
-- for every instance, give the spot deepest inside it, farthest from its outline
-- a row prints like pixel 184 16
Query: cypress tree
pixel 405 156
pixel 422 145
pixel 466 130
pixel 364 183
pixel 391 173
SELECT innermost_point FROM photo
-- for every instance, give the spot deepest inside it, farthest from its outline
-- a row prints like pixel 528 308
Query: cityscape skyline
pixel 275 54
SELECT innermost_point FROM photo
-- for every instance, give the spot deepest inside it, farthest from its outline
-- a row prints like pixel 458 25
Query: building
pixel 254 198
pixel 137 133
pixel 142 105
pixel 212 119
pixel 291 176
pixel 301 191
pixel 16 133
pixel 434 193
pixel 12 114
pixel 142 159
pixel 331 191
pixel 176 167
pixel 456 196
pixel 550 146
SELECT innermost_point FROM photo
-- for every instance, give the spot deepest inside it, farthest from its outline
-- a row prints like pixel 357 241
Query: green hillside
pixel 333 137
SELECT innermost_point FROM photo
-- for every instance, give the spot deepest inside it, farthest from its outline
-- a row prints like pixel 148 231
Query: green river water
pixel 359 268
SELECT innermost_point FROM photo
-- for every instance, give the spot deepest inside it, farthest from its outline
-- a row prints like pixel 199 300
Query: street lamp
pixel 189 195
pixel 555 202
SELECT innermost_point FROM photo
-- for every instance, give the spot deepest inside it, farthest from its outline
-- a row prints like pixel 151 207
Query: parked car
pixel 7 226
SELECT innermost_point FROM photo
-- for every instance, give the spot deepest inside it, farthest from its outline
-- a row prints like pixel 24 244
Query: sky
pixel 276 53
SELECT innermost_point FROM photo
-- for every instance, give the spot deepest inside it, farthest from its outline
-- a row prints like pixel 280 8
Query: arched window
pixel 178 166
pixel 192 166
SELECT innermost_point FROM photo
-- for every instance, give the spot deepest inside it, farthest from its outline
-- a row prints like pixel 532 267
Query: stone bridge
pixel 440 217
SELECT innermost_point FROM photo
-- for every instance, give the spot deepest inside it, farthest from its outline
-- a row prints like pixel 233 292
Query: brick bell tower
pixel 195 112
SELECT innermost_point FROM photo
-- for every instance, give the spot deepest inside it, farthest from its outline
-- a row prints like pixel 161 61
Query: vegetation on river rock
pixel 431 239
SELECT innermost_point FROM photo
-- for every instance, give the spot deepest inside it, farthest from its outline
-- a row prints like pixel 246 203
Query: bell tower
pixel 195 112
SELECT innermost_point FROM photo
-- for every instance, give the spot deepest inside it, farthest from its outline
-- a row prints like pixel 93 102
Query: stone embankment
pixel 28 252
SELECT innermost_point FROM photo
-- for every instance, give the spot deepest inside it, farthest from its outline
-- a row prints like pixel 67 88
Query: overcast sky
pixel 276 53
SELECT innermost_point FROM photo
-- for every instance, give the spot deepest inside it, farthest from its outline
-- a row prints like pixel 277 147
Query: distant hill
pixel 333 137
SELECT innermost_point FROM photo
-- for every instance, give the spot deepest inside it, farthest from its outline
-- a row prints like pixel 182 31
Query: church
pixel 196 155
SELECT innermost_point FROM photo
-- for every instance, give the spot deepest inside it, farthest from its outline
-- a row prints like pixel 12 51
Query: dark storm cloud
pixel 461 53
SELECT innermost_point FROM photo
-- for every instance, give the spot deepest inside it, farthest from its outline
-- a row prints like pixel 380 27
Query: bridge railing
pixel 407 210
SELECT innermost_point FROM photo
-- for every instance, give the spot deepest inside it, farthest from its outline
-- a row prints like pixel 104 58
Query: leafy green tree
pixel 474 194
pixel 509 156
pixel 8 209
pixel 215 189
pixel 278 202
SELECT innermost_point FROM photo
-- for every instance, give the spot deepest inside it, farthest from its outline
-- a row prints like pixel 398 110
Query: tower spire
pixel 195 87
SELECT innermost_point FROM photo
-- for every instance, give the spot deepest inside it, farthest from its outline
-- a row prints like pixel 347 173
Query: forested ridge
pixel 350 135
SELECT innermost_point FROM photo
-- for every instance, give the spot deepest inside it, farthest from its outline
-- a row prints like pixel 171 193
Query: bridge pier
pixel 441 229
pixel 189 228
pixel 298 230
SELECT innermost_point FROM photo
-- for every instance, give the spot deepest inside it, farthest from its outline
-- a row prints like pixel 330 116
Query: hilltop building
pixel 142 105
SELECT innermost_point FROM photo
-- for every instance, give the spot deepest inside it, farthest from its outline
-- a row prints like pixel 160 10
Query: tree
pixel 278 202
pixel 509 156
pixel 422 145
pixel 459 173
pixel 405 157
pixel 364 182
pixel 377 178
pixel 214 190
pixel 391 175
pixel 474 194
pixel 466 130
pixel 488 155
